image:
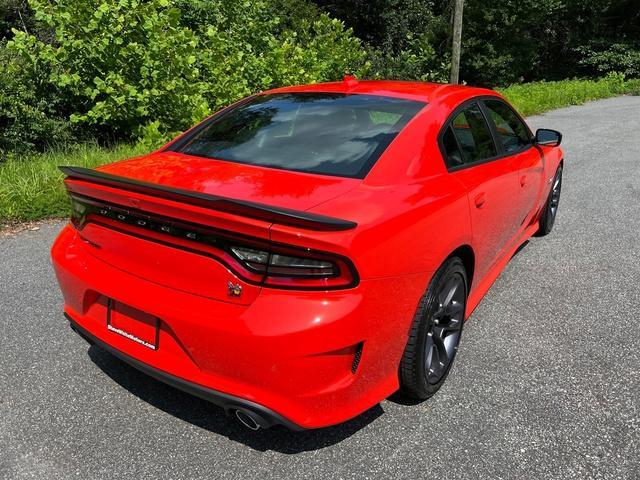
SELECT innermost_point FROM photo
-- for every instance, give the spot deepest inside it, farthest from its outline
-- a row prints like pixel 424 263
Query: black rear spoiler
pixel 283 216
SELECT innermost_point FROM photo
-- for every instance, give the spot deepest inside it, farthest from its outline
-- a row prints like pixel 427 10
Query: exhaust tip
pixel 248 419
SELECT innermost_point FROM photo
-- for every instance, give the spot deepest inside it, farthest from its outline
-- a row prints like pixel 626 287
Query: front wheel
pixel 435 332
pixel 548 216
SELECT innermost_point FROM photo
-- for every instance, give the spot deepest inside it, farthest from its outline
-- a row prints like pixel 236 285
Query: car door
pixel 514 138
pixel 490 180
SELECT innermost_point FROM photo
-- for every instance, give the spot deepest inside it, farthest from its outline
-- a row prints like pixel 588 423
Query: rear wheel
pixel 548 216
pixel 435 332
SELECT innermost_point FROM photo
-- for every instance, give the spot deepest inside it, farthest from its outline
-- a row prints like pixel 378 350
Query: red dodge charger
pixel 304 253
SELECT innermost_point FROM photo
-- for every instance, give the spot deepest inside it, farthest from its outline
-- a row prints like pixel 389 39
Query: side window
pixel 451 148
pixel 512 133
pixel 473 135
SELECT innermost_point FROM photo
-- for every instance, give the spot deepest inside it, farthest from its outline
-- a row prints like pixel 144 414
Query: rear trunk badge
pixel 235 290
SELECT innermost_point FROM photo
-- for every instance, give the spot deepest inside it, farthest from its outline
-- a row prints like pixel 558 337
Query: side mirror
pixel 548 137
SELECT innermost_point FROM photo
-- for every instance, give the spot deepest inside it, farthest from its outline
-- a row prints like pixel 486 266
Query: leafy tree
pixel 508 41
pixel 504 41
pixel 14 14
pixel 30 112
pixel 403 37
pixel 246 46
pixel 601 59
pixel 123 68
pixel 118 64
pixel 389 25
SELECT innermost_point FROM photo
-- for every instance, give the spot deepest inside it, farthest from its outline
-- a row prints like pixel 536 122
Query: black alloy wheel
pixel 548 216
pixel 435 333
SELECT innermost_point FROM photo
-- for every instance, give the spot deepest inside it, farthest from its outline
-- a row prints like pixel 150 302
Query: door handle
pixel 479 200
pixel 523 180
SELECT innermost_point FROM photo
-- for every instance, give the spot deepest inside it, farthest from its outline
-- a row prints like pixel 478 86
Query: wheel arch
pixel 466 254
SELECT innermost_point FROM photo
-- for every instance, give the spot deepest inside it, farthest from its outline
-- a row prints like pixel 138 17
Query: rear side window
pixel 454 155
pixel 472 133
pixel 512 132
pixel 325 133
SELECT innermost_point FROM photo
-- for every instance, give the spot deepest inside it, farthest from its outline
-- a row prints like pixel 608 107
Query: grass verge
pixel 539 97
pixel 31 185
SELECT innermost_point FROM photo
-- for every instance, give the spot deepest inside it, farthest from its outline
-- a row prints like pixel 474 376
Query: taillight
pixel 277 264
pixel 256 261
pixel 289 267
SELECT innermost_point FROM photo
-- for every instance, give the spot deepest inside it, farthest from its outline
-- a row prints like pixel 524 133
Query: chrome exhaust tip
pixel 249 419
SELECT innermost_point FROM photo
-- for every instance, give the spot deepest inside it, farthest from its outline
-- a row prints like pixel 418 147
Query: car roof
pixel 421 91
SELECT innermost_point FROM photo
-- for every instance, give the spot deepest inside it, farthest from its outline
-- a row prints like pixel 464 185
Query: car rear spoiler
pixel 283 216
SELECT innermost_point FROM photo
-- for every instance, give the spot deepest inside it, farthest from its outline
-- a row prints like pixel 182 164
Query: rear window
pixel 325 133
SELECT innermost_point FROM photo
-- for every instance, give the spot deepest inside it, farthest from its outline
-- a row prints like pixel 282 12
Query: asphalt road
pixel 546 384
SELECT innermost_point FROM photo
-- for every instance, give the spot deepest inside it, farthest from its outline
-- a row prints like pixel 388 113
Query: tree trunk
pixel 457 41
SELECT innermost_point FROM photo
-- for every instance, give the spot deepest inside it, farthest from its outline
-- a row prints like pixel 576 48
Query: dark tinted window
pixel 474 137
pixel 512 133
pixel 327 133
pixel 454 155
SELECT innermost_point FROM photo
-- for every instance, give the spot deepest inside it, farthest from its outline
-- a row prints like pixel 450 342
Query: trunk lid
pixel 279 188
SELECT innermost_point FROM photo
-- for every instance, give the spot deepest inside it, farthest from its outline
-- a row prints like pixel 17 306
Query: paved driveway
pixel 546 385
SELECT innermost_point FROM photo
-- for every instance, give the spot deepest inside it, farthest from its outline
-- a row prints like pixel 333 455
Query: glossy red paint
pixel 292 350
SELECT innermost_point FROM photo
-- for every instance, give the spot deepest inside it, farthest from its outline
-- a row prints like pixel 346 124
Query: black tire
pixel 421 373
pixel 548 215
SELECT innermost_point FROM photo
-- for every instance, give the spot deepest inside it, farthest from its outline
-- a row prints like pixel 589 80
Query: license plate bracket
pixel 136 325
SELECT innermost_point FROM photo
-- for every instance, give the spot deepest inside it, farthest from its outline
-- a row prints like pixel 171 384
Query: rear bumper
pixel 228 402
pixel 288 355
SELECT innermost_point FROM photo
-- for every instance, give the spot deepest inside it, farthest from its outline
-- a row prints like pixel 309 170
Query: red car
pixel 304 253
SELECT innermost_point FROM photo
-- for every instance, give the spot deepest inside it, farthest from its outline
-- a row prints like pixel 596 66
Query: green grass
pixel 31 185
pixel 540 97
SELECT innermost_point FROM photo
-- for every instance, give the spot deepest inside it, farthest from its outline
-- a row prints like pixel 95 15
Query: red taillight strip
pixel 210 242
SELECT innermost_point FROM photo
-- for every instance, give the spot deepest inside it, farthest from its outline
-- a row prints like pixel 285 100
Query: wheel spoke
pixel 449 290
pixel 434 368
pixel 443 356
pixel 451 344
pixel 428 357
pixel 445 324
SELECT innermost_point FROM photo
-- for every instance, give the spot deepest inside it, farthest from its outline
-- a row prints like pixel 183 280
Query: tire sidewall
pixel 452 267
pixel 548 219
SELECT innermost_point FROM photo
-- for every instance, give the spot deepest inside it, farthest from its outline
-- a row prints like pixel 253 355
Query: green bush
pixel 118 64
pixel 402 37
pixel 633 87
pixel 246 46
pixel 619 57
pixel 417 61
pixel 115 69
pixel 30 112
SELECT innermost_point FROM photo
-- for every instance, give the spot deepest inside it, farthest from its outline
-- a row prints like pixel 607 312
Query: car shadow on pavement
pixel 519 249
pixel 212 418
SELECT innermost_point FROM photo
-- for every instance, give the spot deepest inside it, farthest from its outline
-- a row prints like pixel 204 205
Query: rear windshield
pixel 325 133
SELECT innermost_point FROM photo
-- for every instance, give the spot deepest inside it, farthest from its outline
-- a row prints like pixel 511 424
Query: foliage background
pixel 109 71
